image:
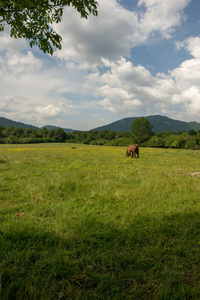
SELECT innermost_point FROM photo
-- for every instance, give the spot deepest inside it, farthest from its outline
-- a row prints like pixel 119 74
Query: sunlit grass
pixel 85 222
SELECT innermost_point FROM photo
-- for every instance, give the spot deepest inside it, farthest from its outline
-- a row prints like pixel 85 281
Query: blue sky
pixel 137 58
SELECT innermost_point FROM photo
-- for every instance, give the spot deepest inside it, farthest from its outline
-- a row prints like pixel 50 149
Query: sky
pixel 137 58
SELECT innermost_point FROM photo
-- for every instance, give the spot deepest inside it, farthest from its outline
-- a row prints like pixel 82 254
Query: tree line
pixel 141 133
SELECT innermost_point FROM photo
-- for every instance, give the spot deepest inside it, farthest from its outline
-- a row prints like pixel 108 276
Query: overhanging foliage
pixel 32 19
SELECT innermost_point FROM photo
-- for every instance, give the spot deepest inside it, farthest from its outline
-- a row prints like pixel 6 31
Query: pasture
pixel 86 222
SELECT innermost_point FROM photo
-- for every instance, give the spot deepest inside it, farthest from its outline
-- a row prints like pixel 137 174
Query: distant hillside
pixel 160 124
pixel 9 123
pixel 51 127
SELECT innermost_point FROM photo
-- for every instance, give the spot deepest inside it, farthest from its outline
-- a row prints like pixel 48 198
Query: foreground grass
pixel 85 222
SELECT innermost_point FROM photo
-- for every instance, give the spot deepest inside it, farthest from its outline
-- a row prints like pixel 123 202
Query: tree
pixel 141 129
pixel 32 19
pixel 60 135
pixel 192 132
pixel 102 133
pixel 30 132
pixel 18 131
pixel 42 133
pixel 2 130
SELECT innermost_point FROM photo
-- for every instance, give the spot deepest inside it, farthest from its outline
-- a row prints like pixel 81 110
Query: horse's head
pixel 127 153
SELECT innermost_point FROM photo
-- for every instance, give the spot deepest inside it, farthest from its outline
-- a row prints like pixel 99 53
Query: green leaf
pixel 31 19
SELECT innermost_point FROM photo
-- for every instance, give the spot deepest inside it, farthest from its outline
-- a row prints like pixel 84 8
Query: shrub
pixel 156 142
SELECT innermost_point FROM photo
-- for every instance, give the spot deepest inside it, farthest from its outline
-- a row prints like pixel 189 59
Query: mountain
pixel 9 123
pixel 51 127
pixel 160 124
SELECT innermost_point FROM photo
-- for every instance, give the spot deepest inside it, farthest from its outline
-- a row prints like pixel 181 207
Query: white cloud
pixel 17 108
pixel 187 77
pixel 162 15
pixel 6 42
pixel 130 90
pixel 109 35
pixel 49 110
pixel 187 74
pixel 191 44
pixel 21 64
pixel 190 99
pixel 116 30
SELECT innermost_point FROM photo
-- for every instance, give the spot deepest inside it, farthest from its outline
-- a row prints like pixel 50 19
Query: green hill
pixel 9 123
pixel 51 127
pixel 160 124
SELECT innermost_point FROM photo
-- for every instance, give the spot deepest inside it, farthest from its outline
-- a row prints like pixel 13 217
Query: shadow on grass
pixel 151 258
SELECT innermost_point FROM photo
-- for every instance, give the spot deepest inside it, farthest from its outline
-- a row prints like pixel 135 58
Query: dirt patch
pixel 194 174
pixel 20 214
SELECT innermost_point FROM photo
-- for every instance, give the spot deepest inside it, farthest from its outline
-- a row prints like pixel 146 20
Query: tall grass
pixel 85 222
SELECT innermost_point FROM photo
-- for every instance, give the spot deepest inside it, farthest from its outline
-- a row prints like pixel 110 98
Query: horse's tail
pixel 137 149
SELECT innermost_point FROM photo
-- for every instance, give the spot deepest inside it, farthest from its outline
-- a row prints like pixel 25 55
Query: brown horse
pixel 132 150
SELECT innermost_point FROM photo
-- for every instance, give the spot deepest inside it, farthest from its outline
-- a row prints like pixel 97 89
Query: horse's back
pixel 134 148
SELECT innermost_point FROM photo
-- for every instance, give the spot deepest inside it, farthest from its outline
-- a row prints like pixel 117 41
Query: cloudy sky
pixel 137 58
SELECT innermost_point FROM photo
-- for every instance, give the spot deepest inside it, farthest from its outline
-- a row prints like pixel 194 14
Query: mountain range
pixel 160 124
pixel 9 123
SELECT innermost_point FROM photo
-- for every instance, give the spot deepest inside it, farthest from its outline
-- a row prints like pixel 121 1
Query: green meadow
pixel 86 222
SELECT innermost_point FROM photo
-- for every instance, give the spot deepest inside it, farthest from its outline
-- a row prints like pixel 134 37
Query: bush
pixel 178 144
pixel 12 140
pixel 169 140
pixel 191 144
pixel 25 141
pixel 156 142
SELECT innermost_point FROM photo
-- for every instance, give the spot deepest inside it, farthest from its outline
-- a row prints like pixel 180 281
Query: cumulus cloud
pixel 6 42
pixel 187 77
pixel 162 16
pixel 49 110
pixel 109 35
pixel 116 30
pixel 21 64
pixel 191 44
pixel 14 107
pixel 54 110
pixel 187 74
pixel 189 99
pixel 30 92
pixel 130 90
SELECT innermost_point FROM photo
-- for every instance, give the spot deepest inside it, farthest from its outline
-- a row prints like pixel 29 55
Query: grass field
pixel 85 222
